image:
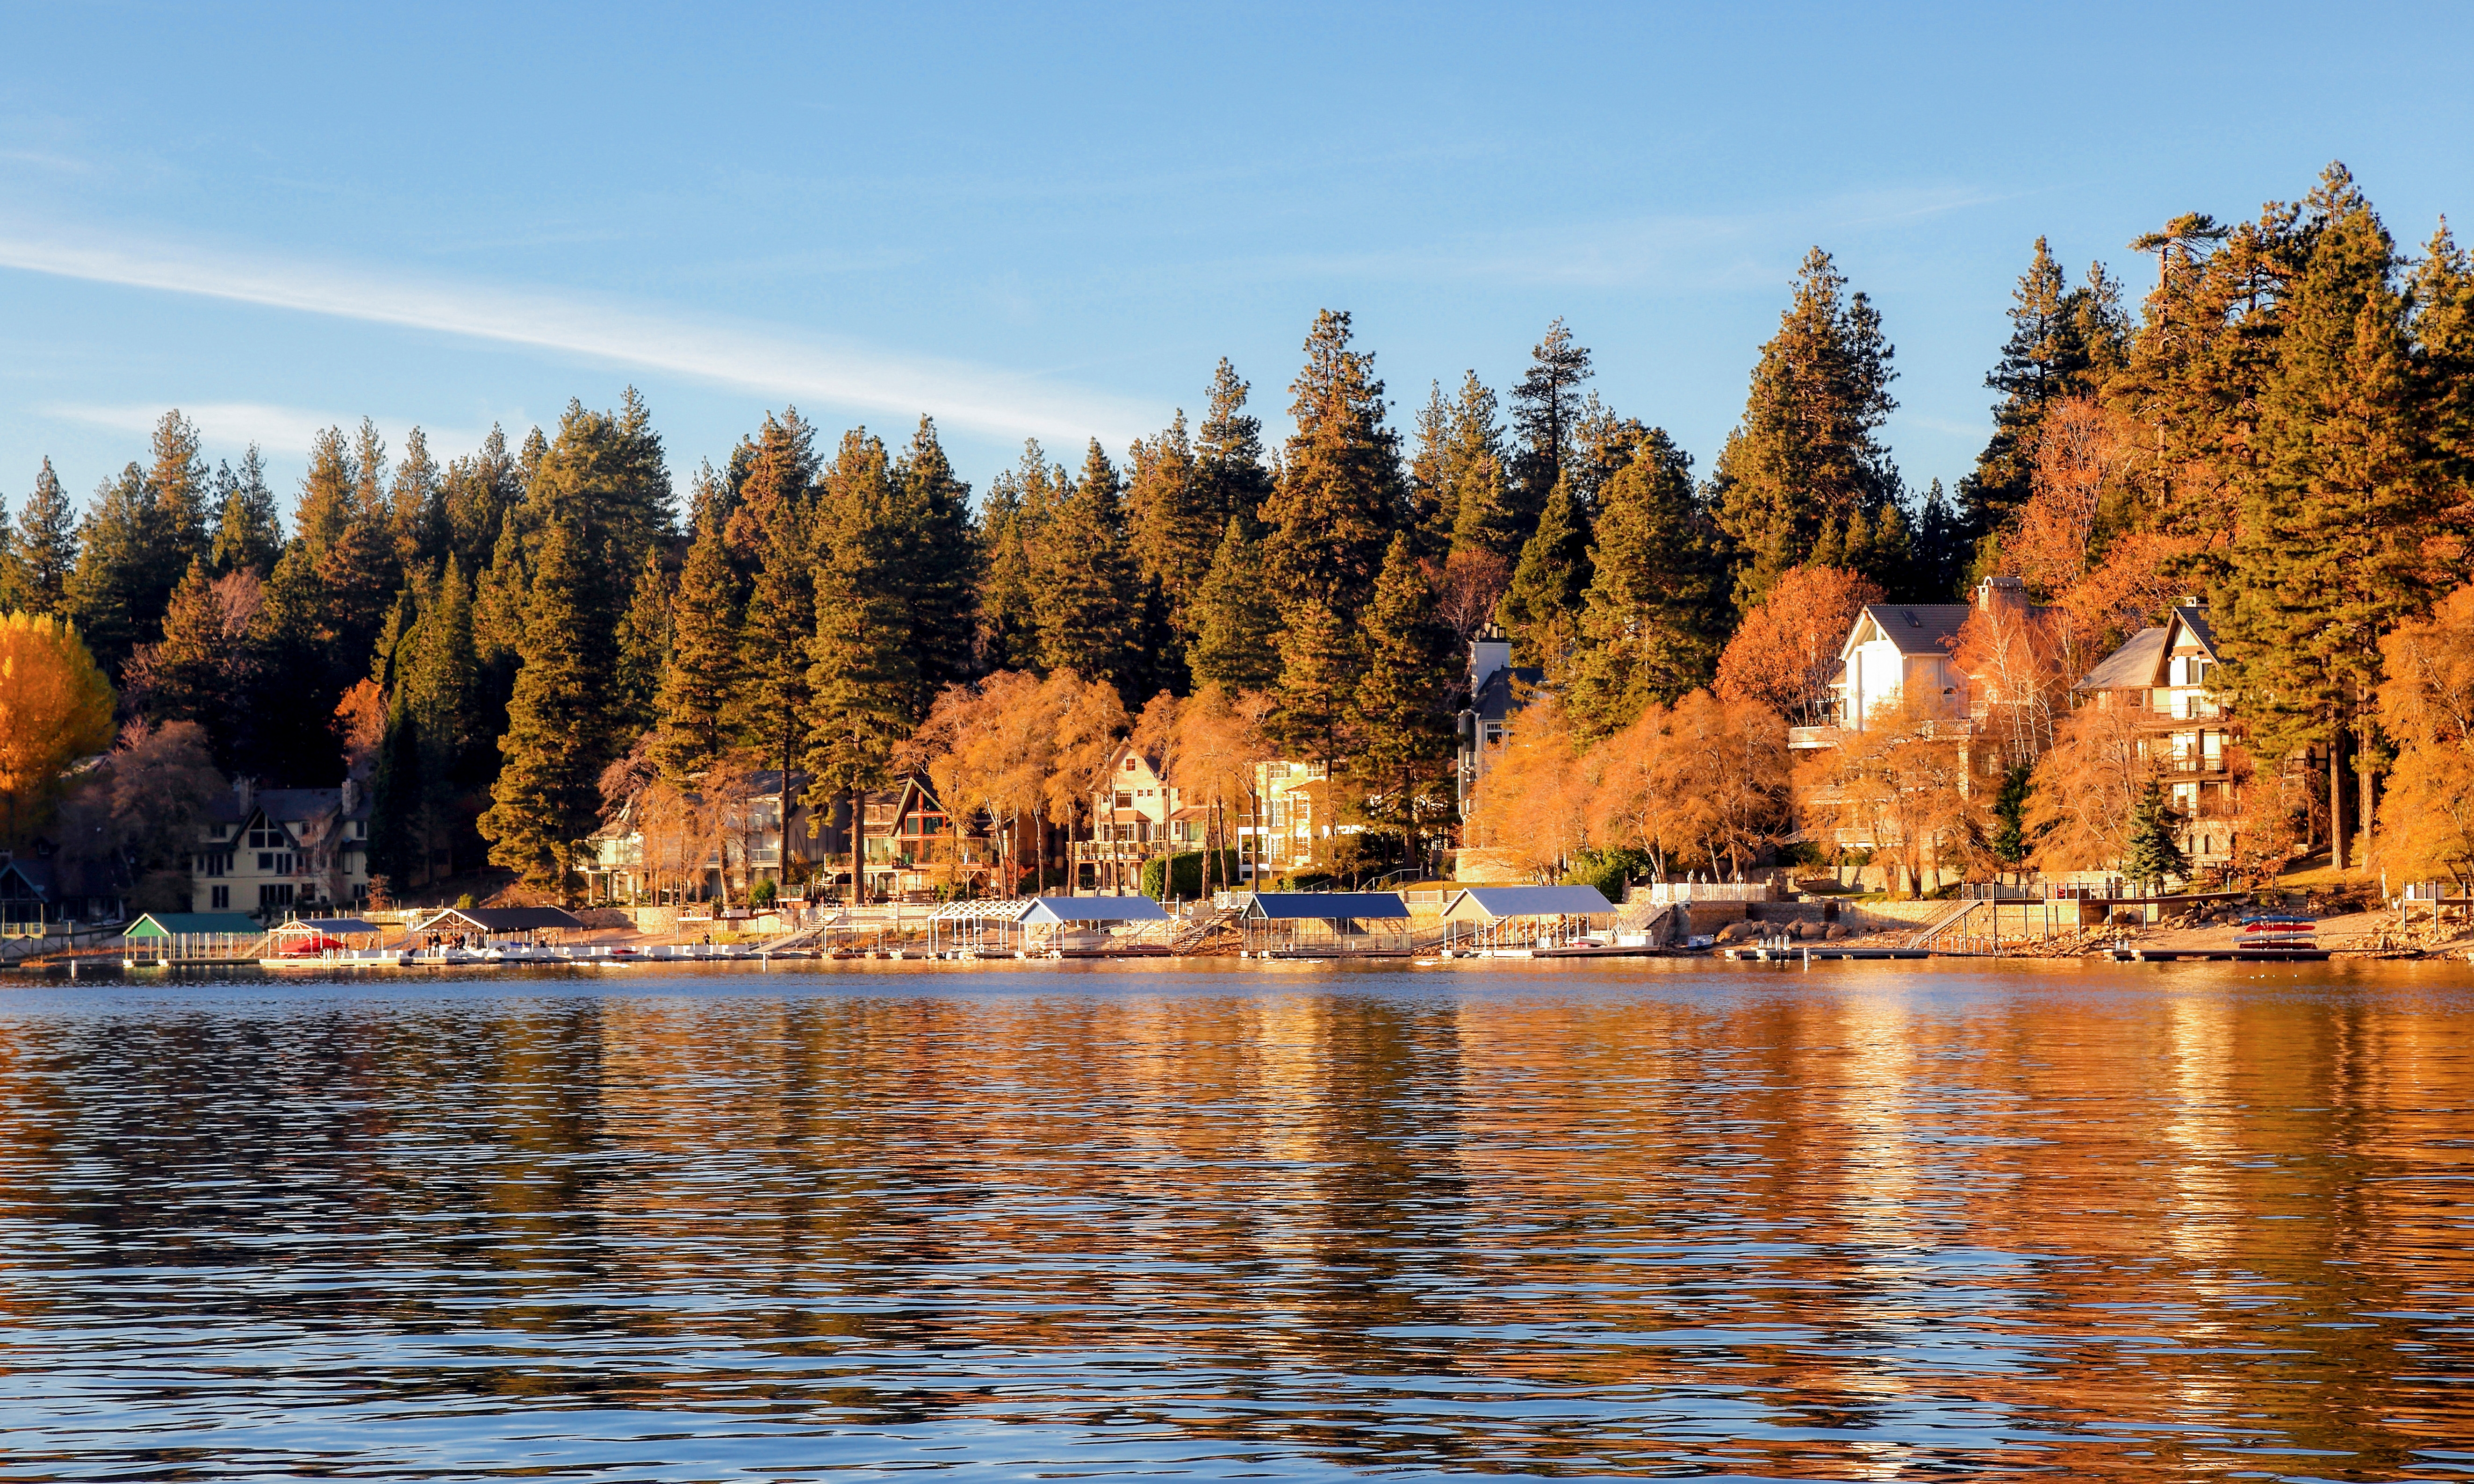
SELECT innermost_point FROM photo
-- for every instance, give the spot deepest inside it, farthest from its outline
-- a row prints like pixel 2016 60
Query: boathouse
pixel 1526 916
pixel 172 937
pixel 1317 924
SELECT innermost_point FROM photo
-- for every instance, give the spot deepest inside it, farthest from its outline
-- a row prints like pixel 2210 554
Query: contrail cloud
pixel 821 372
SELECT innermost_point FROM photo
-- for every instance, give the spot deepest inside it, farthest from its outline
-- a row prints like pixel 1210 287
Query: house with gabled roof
pixel 275 850
pixel 2161 679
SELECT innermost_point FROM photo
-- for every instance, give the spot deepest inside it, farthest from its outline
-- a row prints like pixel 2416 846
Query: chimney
pixel 245 793
pixel 2007 593
pixel 1489 651
pixel 352 797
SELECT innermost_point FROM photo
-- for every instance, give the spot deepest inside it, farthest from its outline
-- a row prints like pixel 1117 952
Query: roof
pixel 1914 628
pixel 1500 694
pixel 1044 911
pixel 330 925
pixel 2134 666
pixel 2195 617
pixel 503 919
pixel 166 925
pixel 1486 903
pixel 1288 906
pixel 282 805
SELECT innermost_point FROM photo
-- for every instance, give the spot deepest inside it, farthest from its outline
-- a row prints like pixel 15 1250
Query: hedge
pixel 1182 876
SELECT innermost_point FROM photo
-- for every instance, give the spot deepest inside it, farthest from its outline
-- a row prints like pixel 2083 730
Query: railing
pixel 1666 893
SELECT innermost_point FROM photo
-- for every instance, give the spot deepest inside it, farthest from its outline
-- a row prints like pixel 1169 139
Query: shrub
pixel 1182 876
pixel 766 894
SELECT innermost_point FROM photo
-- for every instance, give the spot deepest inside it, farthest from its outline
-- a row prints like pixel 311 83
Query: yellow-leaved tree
pixel 55 707
pixel 2427 824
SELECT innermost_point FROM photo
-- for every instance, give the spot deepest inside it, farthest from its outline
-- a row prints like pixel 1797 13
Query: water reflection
pixel 1642 1219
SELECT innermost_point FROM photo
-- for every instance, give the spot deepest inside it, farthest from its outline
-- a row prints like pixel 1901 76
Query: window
pixel 219 898
pixel 265 859
pixel 1130 765
pixel 1125 800
pixel 263 839
pixel 274 894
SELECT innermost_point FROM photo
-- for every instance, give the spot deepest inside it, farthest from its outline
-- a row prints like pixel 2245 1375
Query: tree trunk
pixel 857 844
pixel 2337 799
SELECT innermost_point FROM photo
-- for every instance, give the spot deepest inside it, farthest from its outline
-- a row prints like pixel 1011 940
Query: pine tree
pixel 1235 622
pixel 417 507
pixel 548 797
pixel 1083 583
pixel 1008 627
pixel 327 502
pixel 1339 490
pixel 702 680
pixel 111 595
pixel 2332 552
pixel 1315 702
pixel 189 670
pixel 1542 610
pixel 1403 727
pixel 249 534
pixel 181 487
pixel 1174 528
pixel 2153 853
pixel 47 545
pixel 475 496
pixel 936 559
pixel 772 483
pixel 783 597
pixel 863 691
pixel 1804 465
pixel 2047 357
pixel 643 646
pixel 1476 487
pixel 1941 549
pixel 398 851
pixel 1229 473
pixel 1653 619
pixel 1545 410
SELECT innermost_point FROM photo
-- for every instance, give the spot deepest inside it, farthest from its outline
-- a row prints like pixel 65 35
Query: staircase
pixel 1194 933
pixel 1933 936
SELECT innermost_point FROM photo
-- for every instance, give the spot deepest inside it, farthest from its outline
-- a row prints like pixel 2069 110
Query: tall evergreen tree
pixel 1404 725
pixel 1174 528
pixel 182 489
pixel 1235 644
pixel 863 684
pixel 1545 409
pixel 327 494
pixel 112 595
pixel 1339 490
pixel 417 507
pixel 475 496
pixel 548 797
pixel 1540 610
pixel 1008 627
pixel 783 593
pixel 1083 582
pixel 2332 553
pixel 1315 703
pixel 937 559
pixel 249 532
pixel 1805 464
pixel 2153 854
pixel 1655 616
pixel 2063 341
pixel 643 646
pixel 1228 470
pixel 1941 549
pixel 47 545
pixel 189 670
pixel 701 679
pixel 1475 487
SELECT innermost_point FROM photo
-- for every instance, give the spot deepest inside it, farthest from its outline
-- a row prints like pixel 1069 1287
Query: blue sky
pixel 1052 223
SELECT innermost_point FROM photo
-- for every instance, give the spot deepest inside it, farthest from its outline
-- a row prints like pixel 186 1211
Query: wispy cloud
pixel 814 373
pixel 283 431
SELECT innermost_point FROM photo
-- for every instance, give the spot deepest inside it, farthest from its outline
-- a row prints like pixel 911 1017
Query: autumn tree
pixel 1899 788
pixel 1705 785
pixel 1534 804
pixel 2084 788
pixel 2426 705
pixel 1785 652
pixel 55 707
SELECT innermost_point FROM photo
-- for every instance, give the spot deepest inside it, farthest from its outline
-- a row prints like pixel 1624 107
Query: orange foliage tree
pixel 2427 706
pixel 1703 784
pixel 55 707
pixel 1898 788
pixel 1534 804
pixel 2017 677
pixel 2080 800
pixel 1785 652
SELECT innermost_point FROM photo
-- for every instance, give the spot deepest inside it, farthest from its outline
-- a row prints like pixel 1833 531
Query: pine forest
pixel 517 647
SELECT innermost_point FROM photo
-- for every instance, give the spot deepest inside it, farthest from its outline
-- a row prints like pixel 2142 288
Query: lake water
pixel 1860 1221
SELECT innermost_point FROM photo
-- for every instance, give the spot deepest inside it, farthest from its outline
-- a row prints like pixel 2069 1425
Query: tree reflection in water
pixel 1632 1218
